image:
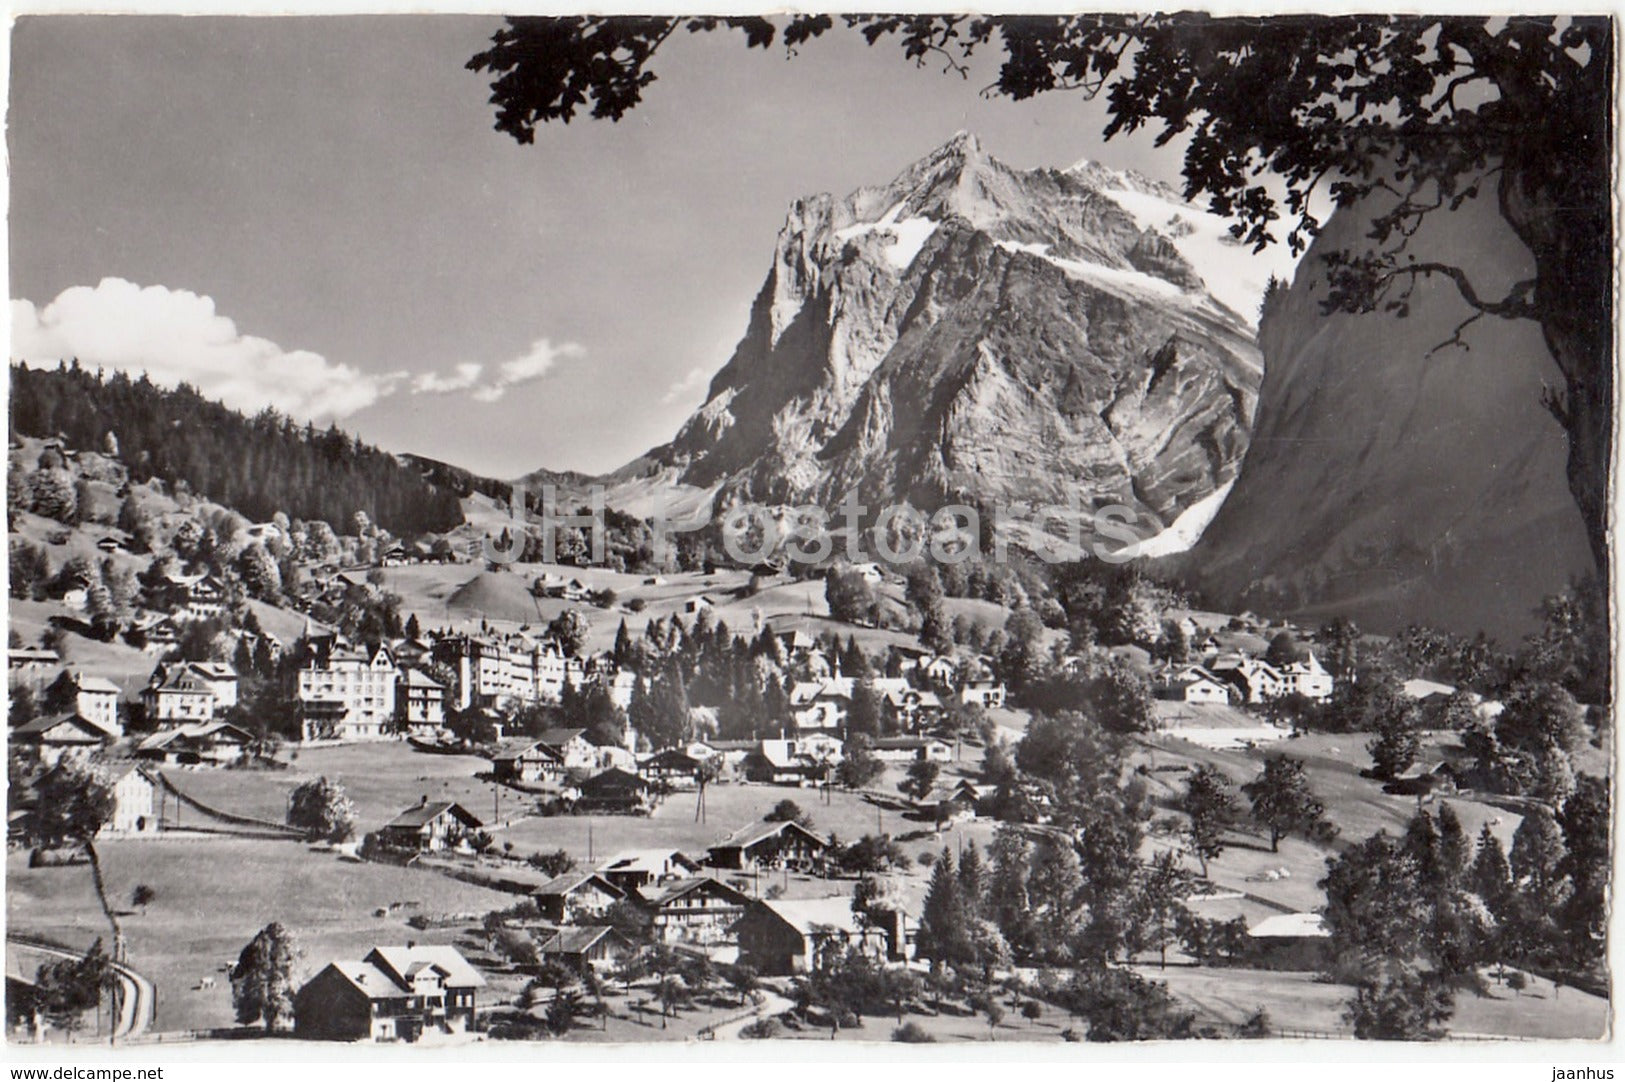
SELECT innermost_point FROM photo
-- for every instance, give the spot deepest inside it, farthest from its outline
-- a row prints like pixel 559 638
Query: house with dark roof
pixel 578 897
pixel 673 767
pixel 429 826
pixel 58 736
pixel 526 761
pixel 769 845
pixel 614 791
pixel 591 947
pixel 393 994
pixel 698 911
pixel 214 742
pixel 571 746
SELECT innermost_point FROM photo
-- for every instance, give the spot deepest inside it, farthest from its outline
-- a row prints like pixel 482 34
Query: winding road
pixel 137 996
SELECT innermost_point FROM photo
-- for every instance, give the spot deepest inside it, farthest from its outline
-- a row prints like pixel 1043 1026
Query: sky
pixel 316 214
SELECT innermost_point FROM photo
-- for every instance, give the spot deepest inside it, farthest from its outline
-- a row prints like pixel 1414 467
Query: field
pixel 1356 806
pixel 384 779
pixel 461 596
pixel 1300 1002
pixel 213 895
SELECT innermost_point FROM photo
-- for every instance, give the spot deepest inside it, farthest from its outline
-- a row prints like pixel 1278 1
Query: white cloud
pixel 695 377
pixel 463 376
pixel 176 336
pixel 537 362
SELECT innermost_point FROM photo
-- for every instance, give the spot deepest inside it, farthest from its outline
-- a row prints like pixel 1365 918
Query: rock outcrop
pixel 1392 480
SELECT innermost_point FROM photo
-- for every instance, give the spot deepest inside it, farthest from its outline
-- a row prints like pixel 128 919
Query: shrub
pixel 912 1033
pixel 762 1029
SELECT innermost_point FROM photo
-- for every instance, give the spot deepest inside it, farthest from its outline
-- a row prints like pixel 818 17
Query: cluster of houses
pixel 354 691
pixel 1237 678
pixel 695 904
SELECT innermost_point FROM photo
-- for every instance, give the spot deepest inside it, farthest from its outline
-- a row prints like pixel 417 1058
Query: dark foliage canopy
pixel 256 465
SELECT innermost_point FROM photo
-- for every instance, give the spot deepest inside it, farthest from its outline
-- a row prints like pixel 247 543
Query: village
pixel 396 793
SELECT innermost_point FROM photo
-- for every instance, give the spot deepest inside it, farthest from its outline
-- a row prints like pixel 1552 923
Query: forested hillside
pixel 257 465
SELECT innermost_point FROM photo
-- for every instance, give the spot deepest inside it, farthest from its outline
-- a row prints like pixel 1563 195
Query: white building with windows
pixel 348 693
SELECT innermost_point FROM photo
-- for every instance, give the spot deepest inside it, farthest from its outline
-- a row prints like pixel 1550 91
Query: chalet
pixel 797 643
pixel 696 605
pixel 1295 941
pixel 62 736
pixel 781 937
pixel 697 911
pixel 1308 678
pixel 592 947
pixel 908 749
pixel 572 747
pixel 614 791
pixel 955 805
pixel 393 994
pixel 731 753
pixel 941 673
pixel 421 701
pixel 31 666
pixel 90 697
pixel 636 869
pixel 768 845
pixel 526 761
pixel 911 708
pixel 576 897
pixel 1191 684
pixel 158 634
pixel 672 767
pixel 795 761
pixel 1256 680
pixel 429 826
pixel 410 653
pixel 986 693
pixel 195 596
pixel 869 573
pixel 215 742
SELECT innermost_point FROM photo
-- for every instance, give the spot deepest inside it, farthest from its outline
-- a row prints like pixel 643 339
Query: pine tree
pixel 1455 851
pixel 623 644
pixel 971 880
pixel 1491 876
pixel 944 934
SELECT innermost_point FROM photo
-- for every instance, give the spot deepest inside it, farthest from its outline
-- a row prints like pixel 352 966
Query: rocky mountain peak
pixel 972 330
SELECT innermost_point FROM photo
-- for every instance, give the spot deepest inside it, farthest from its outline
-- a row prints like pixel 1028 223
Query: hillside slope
pixel 1396 484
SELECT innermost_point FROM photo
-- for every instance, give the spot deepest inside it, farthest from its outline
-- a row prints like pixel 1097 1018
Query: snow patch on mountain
pixel 908 235
pixel 1187 529
pixel 1098 273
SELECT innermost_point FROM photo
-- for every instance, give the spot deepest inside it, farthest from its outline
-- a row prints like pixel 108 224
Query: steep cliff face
pixel 975 331
pixel 1394 481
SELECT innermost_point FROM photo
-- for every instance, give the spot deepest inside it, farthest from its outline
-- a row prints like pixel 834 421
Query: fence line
pixel 280 829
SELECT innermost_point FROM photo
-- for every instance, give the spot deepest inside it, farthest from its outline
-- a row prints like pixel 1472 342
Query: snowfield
pixel 908 236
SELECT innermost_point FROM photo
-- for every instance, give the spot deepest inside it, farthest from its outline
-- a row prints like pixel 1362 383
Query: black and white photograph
pixel 810 532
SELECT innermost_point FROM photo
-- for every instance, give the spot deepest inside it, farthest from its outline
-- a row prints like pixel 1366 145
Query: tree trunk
pixel 1566 222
